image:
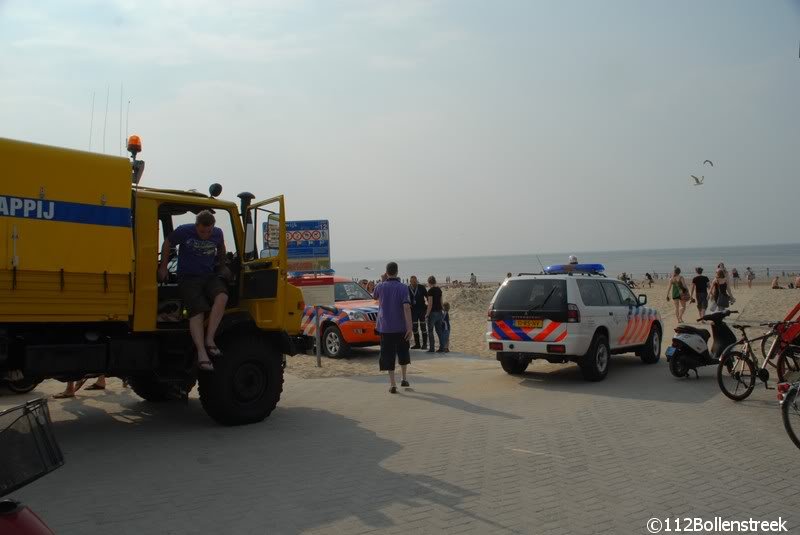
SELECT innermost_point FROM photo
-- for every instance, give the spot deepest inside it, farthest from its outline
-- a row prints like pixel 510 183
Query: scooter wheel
pixel 678 365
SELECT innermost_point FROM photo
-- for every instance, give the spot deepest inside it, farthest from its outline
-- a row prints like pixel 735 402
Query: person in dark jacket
pixel 417 295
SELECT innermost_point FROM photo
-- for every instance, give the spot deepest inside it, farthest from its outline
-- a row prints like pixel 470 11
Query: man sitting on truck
pixel 201 247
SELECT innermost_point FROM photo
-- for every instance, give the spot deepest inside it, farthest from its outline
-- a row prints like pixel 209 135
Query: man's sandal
pixel 213 351
pixel 205 365
pixel 64 395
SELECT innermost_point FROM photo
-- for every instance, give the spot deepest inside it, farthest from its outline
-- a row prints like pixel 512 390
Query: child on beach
pixel 679 293
pixel 446 323
pixel 750 276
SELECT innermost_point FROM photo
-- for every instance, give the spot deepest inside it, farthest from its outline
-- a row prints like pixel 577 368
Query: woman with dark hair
pixel 721 291
pixel 679 293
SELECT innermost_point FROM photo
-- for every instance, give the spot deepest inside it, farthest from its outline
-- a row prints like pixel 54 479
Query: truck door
pixel 264 263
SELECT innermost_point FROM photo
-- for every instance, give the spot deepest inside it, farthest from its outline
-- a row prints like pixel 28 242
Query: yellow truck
pixel 80 241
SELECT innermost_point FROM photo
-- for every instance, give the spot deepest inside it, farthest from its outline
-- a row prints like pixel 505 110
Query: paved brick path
pixel 469 450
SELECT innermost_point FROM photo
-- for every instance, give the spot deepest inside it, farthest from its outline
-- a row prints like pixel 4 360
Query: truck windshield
pixel 532 295
pixel 350 291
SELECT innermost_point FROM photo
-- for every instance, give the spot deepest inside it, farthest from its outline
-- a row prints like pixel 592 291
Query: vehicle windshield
pixel 531 295
pixel 350 291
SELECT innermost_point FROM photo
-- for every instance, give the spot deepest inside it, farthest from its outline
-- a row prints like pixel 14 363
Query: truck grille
pixel 372 316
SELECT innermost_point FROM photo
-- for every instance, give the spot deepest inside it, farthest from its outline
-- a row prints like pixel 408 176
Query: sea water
pixel 765 260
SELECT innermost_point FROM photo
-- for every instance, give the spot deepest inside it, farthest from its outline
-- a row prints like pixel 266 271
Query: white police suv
pixel 571 312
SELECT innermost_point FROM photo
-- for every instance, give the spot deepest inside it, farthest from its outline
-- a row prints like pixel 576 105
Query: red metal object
pixel 18 519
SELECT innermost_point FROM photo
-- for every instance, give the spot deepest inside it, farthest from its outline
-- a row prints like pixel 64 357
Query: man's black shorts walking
pixel 393 345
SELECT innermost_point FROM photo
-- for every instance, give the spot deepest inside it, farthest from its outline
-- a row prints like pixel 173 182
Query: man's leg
pixel 215 316
pixel 403 370
pixel 424 328
pixel 391 379
pixel 415 328
pixel 196 329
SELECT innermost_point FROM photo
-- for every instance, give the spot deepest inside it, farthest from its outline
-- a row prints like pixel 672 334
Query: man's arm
pixel 163 273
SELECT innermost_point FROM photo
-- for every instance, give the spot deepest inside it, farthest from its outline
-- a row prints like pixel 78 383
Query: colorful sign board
pixel 308 245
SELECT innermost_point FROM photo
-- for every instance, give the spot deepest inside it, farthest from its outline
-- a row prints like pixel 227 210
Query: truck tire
pixel 247 380
pixel 333 343
pixel 651 351
pixel 22 386
pixel 594 364
pixel 149 388
pixel 512 365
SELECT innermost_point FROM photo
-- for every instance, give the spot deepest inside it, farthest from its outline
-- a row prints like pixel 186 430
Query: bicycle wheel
pixel 768 344
pixel 789 365
pixel 736 375
pixel 790 412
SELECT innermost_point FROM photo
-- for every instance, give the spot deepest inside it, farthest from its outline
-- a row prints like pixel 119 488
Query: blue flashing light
pixel 574 268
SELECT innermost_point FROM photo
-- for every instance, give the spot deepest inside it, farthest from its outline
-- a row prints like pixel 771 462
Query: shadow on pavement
pixel 627 378
pixel 168 469
pixel 459 404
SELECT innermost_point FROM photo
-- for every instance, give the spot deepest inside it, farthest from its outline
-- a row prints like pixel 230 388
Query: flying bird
pixel 709 161
pixel 698 181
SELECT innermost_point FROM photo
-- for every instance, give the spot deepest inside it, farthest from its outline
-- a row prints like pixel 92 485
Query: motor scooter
pixel 690 349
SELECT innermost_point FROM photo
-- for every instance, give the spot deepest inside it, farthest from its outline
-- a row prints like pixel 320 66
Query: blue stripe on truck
pixel 66 212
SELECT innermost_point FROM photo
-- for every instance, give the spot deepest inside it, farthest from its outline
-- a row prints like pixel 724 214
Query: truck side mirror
pixel 642 299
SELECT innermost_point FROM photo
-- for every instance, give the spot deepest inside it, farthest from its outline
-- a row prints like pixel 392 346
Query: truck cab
pixel 79 293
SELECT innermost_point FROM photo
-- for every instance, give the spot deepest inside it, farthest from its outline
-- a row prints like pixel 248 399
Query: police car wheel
pixel 333 343
pixel 513 365
pixel 594 364
pixel 651 351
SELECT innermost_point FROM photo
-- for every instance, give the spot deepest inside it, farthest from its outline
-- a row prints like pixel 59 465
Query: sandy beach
pixel 468 319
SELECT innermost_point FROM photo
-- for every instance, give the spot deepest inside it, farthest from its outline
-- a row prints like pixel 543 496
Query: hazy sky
pixel 440 128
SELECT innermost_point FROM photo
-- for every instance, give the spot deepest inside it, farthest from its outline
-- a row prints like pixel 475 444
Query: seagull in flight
pixel 698 181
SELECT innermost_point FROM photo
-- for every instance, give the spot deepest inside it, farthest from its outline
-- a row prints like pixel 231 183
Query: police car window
pixel 350 291
pixel 591 293
pixel 609 289
pixel 532 294
pixel 627 295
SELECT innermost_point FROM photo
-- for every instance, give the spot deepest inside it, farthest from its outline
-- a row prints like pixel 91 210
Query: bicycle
pixel 738 369
pixel 790 409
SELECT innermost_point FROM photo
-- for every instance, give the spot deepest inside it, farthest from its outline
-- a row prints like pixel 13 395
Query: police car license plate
pixel 529 324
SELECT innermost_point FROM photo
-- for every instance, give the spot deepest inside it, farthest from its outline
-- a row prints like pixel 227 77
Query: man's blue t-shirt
pixel 196 256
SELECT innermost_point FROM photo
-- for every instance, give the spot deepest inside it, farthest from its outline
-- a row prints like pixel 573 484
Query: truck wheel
pixel 333 343
pixel 149 388
pixel 594 364
pixel 651 351
pixel 512 365
pixel 247 380
pixel 22 386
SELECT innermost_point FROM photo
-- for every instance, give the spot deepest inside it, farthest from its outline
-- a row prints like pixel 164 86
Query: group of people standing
pixel 406 312
pixel 717 292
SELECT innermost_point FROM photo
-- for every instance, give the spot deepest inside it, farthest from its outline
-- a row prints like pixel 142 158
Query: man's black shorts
pixel 199 291
pixel 393 345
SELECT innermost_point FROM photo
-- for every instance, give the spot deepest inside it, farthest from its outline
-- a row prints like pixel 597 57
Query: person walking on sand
pixel 394 325
pixel 446 326
pixel 735 275
pixel 679 293
pixel 435 316
pixel 649 278
pixel 700 291
pixel 418 296
pixel 750 276
pixel 720 292
pixel 473 280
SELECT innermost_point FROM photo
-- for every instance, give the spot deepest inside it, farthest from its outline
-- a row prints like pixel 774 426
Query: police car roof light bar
pixel 565 269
